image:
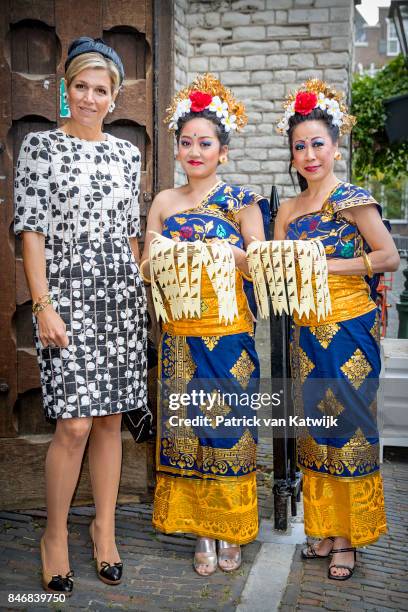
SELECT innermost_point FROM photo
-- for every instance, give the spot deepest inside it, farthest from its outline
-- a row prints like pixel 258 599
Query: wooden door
pixel 34 39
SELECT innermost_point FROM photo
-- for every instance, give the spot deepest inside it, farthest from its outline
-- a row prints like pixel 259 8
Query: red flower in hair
pixel 305 102
pixel 199 100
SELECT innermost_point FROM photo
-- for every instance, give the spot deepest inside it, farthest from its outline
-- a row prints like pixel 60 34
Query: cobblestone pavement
pixel 158 568
pixel 380 580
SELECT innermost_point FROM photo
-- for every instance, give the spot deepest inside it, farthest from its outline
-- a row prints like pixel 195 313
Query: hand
pixel 239 256
pixel 51 329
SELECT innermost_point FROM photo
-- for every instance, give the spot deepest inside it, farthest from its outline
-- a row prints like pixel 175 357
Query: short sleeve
pixel 32 186
pixel 248 198
pixel 133 222
pixel 347 196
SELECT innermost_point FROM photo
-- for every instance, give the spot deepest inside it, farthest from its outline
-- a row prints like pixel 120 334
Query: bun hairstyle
pixel 317 114
pixel 223 136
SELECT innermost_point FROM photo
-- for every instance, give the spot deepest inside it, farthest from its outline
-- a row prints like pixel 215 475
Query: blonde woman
pixel 78 213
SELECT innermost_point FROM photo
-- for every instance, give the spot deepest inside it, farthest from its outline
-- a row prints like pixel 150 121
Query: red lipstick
pixel 312 168
pixel 194 162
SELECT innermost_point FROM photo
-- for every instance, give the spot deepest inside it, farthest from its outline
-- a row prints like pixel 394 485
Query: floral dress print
pixel 83 197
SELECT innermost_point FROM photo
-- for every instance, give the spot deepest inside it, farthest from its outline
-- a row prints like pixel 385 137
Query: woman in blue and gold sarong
pixel 336 361
pixel 206 475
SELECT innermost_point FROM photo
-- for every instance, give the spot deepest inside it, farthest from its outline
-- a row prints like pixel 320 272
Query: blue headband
pixel 84 44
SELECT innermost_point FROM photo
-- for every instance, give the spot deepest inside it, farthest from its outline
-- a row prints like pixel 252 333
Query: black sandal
pixel 347 567
pixel 310 551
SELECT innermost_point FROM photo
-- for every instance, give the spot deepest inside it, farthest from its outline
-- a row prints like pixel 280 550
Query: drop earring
pixel 65 98
pixel 111 107
pixel 223 159
pixel 337 155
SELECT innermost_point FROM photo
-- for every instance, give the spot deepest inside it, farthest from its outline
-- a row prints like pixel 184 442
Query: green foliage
pixel 373 155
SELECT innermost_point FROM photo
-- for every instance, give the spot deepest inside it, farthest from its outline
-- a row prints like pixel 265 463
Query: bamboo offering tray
pixel 273 266
pixel 176 270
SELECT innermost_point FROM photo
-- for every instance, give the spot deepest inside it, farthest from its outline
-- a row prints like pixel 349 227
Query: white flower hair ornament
pixel 207 93
pixel 317 94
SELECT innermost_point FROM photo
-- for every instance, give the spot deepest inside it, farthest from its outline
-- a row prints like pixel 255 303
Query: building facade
pixel 374 45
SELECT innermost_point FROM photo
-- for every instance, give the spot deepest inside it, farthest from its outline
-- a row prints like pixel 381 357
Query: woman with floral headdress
pixel 336 361
pixel 206 481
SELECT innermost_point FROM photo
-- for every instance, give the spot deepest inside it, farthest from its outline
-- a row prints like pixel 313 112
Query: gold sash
pixel 209 324
pixel 350 298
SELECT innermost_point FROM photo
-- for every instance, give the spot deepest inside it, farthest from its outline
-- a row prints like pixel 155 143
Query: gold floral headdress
pixel 317 94
pixel 207 92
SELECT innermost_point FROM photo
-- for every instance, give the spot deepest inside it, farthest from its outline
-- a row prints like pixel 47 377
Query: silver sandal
pixel 205 555
pixel 227 552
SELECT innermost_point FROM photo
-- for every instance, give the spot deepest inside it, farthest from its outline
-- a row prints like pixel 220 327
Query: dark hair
pixel 223 136
pixel 317 114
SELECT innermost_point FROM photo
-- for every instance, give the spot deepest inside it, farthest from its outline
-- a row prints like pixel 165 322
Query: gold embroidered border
pixel 357 455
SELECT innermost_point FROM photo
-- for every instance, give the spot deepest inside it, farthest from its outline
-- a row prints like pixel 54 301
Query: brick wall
pixel 262 49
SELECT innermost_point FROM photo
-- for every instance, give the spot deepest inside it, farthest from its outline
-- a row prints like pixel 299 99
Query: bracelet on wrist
pixel 42 303
pixel 246 276
pixel 145 278
pixel 368 265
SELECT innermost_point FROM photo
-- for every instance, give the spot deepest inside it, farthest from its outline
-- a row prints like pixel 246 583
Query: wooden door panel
pixel 34 48
pixel 130 12
pixel 41 10
pixel 36 95
pixel 8 356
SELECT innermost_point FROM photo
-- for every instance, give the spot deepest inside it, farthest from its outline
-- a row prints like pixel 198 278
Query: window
pixel 393 47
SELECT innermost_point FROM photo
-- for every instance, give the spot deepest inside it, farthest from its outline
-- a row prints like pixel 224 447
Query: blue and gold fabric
pixel 206 476
pixel 335 370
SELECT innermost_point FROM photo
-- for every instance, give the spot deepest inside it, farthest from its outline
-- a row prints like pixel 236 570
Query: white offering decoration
pixel 176 271
pixel 273 264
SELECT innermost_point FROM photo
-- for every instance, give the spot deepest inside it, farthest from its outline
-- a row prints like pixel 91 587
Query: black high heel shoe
pixel 55 583
pixel 107 572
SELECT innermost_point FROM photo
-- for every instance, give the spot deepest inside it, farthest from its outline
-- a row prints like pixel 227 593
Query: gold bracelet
pixel 368 265
pixel 246 276
pixel 145 279
pixel 42 303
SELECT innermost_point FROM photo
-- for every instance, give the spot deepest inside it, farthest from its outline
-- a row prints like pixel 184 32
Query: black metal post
pixel 286 486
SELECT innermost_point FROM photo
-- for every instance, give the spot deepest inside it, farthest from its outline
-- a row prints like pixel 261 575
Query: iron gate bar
pixel 287 480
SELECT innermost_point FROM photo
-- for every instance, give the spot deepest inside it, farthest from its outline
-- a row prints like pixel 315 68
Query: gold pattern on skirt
pixel 177 362
pixel 215 410
pixel 330 405
pixel 224 510
pixel 375 331
pixel 356 368
pixel 353 509
pixel 242 369
pixel 183 449
pixel 211 341
pixel 358 456
pixel 325 333
pixel 305 365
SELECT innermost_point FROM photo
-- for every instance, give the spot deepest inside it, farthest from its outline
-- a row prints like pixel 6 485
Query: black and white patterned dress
pixel 83 196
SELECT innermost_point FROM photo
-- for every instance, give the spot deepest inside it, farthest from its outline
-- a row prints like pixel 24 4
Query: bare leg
pixel 62 467
pixel 105 460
